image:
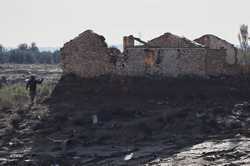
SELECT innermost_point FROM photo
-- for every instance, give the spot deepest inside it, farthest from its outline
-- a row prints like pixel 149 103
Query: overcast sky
pixel 54 22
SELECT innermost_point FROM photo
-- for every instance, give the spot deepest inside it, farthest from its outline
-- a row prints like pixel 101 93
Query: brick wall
pixel 88 56
pixel 162 61
pixel 169 40
pixel 214 42
pixel 215 62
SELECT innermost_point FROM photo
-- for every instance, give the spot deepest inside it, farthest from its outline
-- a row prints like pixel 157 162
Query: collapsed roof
pixel 169 40
pixel 206 40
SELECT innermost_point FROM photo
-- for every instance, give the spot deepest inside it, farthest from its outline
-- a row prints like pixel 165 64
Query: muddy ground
pixel 131 121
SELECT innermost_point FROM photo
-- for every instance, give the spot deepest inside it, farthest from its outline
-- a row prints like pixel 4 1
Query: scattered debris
pixel 94 119
pixel 128 156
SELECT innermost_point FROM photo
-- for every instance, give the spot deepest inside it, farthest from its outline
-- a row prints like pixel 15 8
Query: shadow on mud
pixel 133 121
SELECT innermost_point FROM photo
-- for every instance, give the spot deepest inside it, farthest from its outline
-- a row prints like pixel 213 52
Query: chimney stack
pixel 128 42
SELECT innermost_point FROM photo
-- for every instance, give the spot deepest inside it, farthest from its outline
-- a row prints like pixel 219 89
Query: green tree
pixel 1 54
pixel 28 55
pixel 23 46
pixel 1 48
pixel 34 47
pixel 56 57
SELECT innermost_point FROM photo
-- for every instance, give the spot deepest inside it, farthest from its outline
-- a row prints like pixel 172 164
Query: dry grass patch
pixel 17 96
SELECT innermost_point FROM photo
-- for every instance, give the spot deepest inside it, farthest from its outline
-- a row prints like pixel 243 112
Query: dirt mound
pixel 185 88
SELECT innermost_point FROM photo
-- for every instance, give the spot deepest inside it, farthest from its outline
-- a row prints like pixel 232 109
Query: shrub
pixel 44 91
pixel 17 95
pixel 13 95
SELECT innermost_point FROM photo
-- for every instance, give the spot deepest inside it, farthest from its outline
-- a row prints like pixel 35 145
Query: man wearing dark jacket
pixel 3 81
pixel 31 85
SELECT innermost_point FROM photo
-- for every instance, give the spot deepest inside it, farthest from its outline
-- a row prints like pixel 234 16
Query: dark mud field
pixel 131 121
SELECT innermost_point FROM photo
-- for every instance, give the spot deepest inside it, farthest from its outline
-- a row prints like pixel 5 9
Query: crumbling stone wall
pixel 175 62
pixel 162 61
pixel 215 62
pixel 214 42
pixel 88 56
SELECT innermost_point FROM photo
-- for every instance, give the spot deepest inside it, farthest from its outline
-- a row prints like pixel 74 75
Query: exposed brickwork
pixel 168 55
pixel 169 40
pixel 215 62
pixel 215 42
pixel 88 55
pixel 163 61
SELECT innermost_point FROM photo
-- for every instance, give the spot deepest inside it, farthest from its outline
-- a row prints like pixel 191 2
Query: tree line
pixel 25 54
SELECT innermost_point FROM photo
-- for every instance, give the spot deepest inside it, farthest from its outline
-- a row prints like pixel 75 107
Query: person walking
pixel 31 86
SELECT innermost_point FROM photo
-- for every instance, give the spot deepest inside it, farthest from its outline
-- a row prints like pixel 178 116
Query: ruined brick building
pixel 168 55
pixel 214 42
